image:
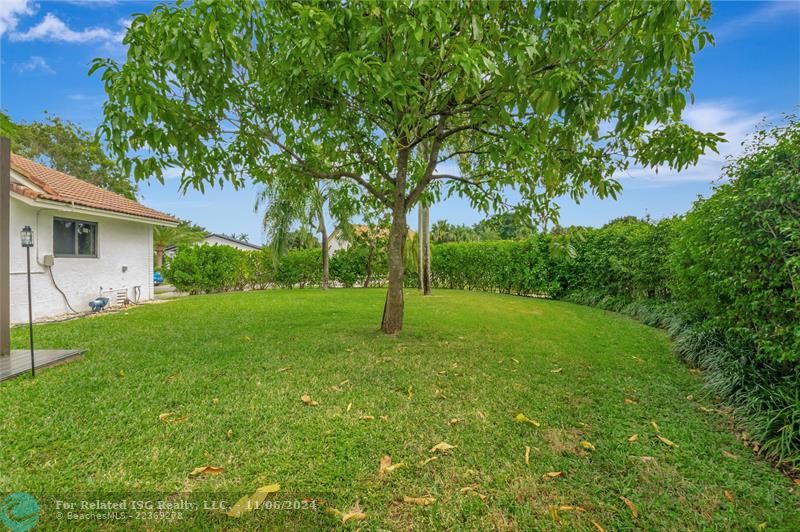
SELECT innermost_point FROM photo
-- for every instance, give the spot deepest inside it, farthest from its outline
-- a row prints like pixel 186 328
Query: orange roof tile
pixel 57 186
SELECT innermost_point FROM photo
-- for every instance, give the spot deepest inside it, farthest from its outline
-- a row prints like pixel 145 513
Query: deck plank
pixel 19 361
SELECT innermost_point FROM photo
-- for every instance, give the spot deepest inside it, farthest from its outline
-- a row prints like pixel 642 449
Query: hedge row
pixel 206 268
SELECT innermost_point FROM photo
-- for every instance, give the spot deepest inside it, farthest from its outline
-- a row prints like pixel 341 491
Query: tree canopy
pixel 66 147
pixel 402 102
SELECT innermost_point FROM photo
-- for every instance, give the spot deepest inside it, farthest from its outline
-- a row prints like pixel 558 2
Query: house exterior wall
pixel 119 243
pixel 336 244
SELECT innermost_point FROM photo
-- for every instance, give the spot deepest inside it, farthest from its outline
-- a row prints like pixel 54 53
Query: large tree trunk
pixel 159 257
pixel 325 252
pixel 424 238
pixel 393 308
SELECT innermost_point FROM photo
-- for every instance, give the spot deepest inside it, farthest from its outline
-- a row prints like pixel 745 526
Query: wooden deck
pixel 19 361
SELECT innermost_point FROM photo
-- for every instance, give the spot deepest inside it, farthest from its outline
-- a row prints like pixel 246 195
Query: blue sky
pixel 753 72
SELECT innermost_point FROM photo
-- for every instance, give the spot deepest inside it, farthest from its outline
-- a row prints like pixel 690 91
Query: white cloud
pixel 10 11
pixel 35 63
pixel 52 28
pixel 717 117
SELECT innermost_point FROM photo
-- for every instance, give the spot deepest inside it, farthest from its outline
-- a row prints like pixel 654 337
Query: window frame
pixel 75 255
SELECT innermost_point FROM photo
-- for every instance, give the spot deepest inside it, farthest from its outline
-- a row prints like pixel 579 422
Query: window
pixel 73 238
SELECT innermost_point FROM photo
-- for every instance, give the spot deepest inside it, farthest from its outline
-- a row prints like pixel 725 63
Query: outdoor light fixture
pixel 26 236
pixel 26 239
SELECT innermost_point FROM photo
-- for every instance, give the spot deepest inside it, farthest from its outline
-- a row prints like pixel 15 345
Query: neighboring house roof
pixel 63 188
pixel 223 237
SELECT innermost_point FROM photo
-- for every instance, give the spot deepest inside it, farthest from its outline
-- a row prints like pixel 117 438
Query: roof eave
pixel 75 207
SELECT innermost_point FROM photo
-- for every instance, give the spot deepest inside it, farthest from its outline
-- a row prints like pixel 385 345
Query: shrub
pixel 736 261
pixel 205 268
pixel 259 269
pixel 349 266
pixel 301 267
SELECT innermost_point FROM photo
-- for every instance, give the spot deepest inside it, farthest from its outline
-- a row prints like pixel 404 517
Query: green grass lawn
pixel 92 426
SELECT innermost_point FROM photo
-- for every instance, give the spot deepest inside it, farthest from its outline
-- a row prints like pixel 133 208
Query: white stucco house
pixel 87 241
pixel 215 239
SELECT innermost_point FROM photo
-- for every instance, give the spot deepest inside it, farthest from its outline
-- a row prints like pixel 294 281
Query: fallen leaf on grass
pixel 410 392
pixel 427 460
pixel 426 500
pixel 454 421
pixel 206 470
pixel 349 406
pixel 439 393
pixel 633 438
pixel 386 465
pixel 797 481
pixel 229 433
pixel 215 400
pixel 553 474
pixel 554 513
pixel 472 490
pixel 308 400
pixel 480 414
pixel 588 446
pixel 522 418
pixel 732 456
pixel 557 370
pixel 569 508
pixel 666 441
pixel 655 426
pixel 169 417
pixel 527 455
pixel 630 401
pixel 442 447
pixel 631 506
pixel 598 527
pixel 515 361
pixel 367 418
pixel 384 418
pixel 728 495
pixel 355 514
pixel 249 503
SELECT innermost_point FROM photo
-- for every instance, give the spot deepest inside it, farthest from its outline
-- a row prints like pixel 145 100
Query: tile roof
pixel 57 186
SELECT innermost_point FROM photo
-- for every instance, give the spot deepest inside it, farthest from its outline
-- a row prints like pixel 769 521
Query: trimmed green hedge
pixel 207 268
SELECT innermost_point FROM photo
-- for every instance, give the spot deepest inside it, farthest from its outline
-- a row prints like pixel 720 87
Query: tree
pixel 373 237
pixel 244 237
pixel 424 244
pixel 506 226
pixel 544 98
pixel 66 147
pixel 301 238
pixel 283 209
pixel 183 233
pixel 443 231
